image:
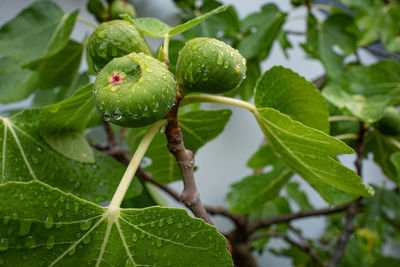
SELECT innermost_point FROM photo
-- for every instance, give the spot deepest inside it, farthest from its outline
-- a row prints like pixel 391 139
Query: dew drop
pixel 237 69
pixel 117 115
pixel 48 222
pixel 161 223
pixel 60 213
pixel 142 235
pixel 170 220
pixel 50 242
pixel 6 219
pixel 179 225
pixel 84 225
pixel 76 204
pixel 134 237
pixel 3 244
pixel 162 129
pixel 128 263
pixel 193 234
pixel 87 239
pixel 159 243
pixel 24 227
pixel 72 251
pixel 106 116
pixel 30 242
pixel 164 77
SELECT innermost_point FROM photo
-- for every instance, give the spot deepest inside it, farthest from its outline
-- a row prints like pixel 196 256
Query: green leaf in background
pixel 382 78
pixel 39 31
pixel 299 197
pixel 48 97
pixel 251 192
pixel 275 207
pixel 338 30
pixel 174 47
pixel 262 29
pixel 61 125
pixel 150 26
pixel 59 69
pixel 368 109
pixel 309 152
pixel 284 42
pixel 382 148
pixel 59 229
pixel 156 28
pixel 379 21
pixel 395 159
pixel 26 156
pixel 223 26
pixel 366 91
pixel 198 128
pixel 16 83
pixel 286 91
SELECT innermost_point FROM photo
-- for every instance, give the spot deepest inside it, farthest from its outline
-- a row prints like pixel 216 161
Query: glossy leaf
pixel 59 69
pixel 39 31
pixel 26 156
pixel 368 109
pixel 223 26
pixel 299 197
pixel 286 91
pixel 309 152
pixel 198 128
pixel 59 229
pixel 156 28
pixel 382 148
pixel 263 28
pixel 61 125
pixel 338 30
pixel 250 193
pixel 395 159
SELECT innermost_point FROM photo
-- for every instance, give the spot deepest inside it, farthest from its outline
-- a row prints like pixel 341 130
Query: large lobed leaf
pixel 198 127
pixel 365 91
pixel 291 94
pixel 338 30
pixel 26 156
pixel 309 152
pixel 262 28
pixel 44 226
pixel 61 125
pixel 37 38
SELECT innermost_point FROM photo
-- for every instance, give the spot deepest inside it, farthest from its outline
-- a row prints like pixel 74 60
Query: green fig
pixel 119 7
pixel 210 66
pixel 113 39
pixel 134 90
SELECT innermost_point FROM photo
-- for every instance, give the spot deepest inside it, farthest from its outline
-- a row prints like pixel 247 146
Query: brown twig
pixel 349 225
pixel 266 222
pixel 304 247
pixel 185 159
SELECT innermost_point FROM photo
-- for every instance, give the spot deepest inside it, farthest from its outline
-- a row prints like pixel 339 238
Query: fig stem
pixel 217 99
pixel 87 22
pixel 134 164
pixel 342 118
pixel 346 136
pixel 166 50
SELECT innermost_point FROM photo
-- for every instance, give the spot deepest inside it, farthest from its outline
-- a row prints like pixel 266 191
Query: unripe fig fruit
pixel 119 7
pixel 390 122
pixel 113 39
pixel 134 90
pixel 97 8
pixel 210 66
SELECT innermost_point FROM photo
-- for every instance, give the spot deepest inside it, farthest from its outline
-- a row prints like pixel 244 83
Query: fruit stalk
pixel 134 164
